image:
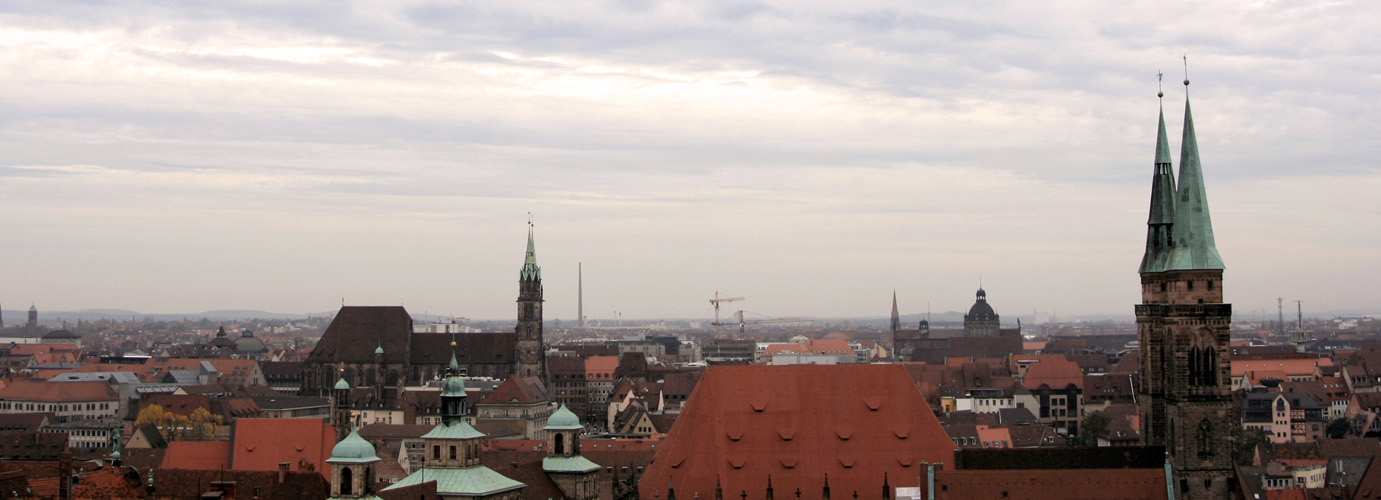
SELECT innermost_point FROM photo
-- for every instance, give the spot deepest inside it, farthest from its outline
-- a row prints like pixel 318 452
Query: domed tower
pixel 981 321
pixel 530 357
pixel 353 465
pixel 340 408
pixel 575 475
pixel 452 451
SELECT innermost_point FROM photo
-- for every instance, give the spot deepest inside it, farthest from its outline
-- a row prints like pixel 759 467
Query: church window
pixel 453 453
pixel 436 452
pixel 1205 440
pixel 560 444
pixel 1210 285
pixel 1191 285
pixel 345 481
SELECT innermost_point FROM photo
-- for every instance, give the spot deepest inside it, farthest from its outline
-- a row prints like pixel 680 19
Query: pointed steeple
pixel 1193 230
pixel 530 270
pixel 1159 239
pixel 896 315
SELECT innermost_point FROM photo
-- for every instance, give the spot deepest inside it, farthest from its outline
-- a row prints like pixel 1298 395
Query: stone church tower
pixel 531 358
pixel 1182 325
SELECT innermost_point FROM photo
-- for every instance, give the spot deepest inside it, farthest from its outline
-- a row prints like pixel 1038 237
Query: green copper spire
pixel 1159 240
pixel 1193 230
pixel 530 270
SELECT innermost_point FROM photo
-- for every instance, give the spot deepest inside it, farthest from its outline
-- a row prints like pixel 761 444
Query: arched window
pixel 560 443
pixel 345 481
pixel 1205 438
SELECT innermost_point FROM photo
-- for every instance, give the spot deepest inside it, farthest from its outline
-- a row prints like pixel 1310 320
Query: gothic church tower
pixel 531 358
pixel 1182 325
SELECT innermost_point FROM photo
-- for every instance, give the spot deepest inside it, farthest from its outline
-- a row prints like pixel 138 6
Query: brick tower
pixel 531 359
pixel 1182 325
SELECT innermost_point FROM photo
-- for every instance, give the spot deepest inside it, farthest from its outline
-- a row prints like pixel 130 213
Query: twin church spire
pixel 1179 233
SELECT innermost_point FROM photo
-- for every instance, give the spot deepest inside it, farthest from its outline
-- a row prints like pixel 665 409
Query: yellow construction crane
pixel 715 301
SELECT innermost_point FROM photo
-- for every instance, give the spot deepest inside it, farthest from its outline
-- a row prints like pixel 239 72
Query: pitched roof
pixel 356 331
pixel 514 390
pixel 1054 373
pixel 263 443
pixel 601 367
pixel 798 423
pixel 32 445
pixel 1293 367
pixel 208 455
pixel 183 483
pixel 28 422
pixel 58 392
pixel 471 348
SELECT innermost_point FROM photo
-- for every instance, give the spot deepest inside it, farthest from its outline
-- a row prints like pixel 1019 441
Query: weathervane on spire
pixel 1186 70
pixel 529 219
pixel 1160 79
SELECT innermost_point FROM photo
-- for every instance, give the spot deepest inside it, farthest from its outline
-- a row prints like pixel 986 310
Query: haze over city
pixel 178 158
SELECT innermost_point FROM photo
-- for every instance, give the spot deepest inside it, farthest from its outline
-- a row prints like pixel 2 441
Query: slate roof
pixel 356 331
pixel 22 445
pixel 515 390
pixel 28 422
pixel 472 348
pixel 798 423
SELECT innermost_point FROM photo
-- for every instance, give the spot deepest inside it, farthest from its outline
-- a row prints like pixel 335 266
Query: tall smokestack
pixel 580 295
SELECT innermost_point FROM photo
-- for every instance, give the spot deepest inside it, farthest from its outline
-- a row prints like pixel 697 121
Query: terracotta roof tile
pixel 58 392
pixel 263 443
pixel 208 455
pixel 798 423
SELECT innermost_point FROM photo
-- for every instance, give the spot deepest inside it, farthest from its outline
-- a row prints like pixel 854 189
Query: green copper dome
pixel 453 386
pixel 342 384
pixel 563 420
pixel 353 449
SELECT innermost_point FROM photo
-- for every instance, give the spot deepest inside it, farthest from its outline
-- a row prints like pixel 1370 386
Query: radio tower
pixel 1280 313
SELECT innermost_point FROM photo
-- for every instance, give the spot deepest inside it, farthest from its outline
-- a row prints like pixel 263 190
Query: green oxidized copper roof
pixel 563 420
pixel 577 464
pixel 1193 230
pixel 1159 241
pixel 454 430
pixel 342 384
pixel 352 450
pixel 530 270
pixel 469 481
pixel 453 385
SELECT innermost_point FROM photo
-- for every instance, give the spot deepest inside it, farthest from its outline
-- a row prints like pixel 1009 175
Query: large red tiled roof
pixel 798 423
pixel 263 443
pixel 201 455
pixel 601 367
pixel 1056 373
pixel 58 392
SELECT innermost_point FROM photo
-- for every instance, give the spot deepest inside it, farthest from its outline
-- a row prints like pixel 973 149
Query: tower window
pixel 436 452
pixel 453 453
pixel 1191 285
pixel 1162 286
pixel 1210 285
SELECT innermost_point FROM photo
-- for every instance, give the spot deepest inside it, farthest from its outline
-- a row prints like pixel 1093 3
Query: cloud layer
pixel 165 157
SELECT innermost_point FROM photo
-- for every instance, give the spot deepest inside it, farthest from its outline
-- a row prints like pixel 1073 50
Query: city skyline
pixel 282 158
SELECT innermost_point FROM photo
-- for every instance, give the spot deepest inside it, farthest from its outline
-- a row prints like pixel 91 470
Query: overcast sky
pixel 171 156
